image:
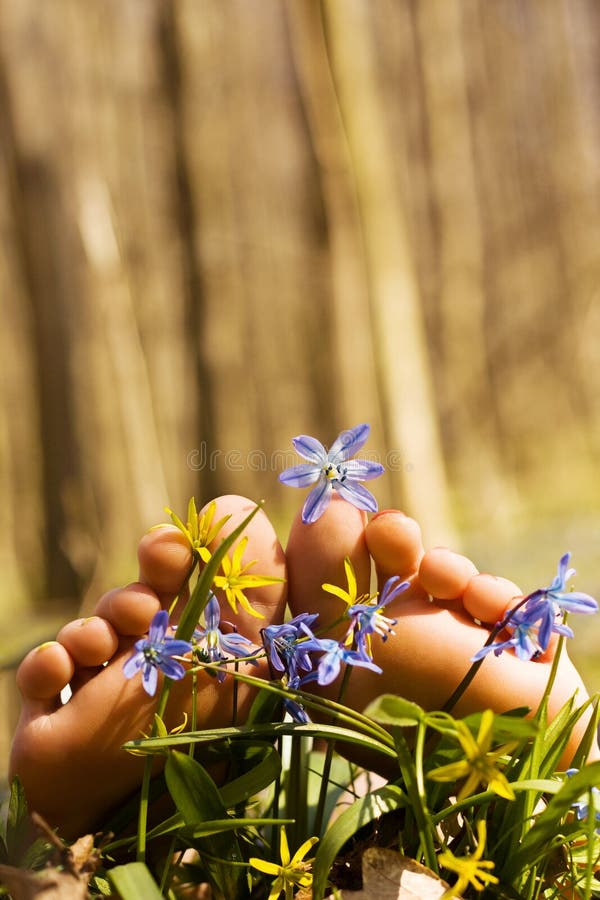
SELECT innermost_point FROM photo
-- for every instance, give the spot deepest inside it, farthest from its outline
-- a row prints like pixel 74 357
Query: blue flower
pixel 547 603
pixel 334 654
pixel 286 646
pixel 524 639
pixel 366 618
pixel 294 707
pixel 214 644
pixel 582 807
pixel 155 652
pixel 333 470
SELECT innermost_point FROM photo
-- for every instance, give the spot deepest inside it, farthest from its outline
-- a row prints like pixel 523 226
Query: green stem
pixel 418 799
pixel 591 839
pixel 320 813
pixel 474 668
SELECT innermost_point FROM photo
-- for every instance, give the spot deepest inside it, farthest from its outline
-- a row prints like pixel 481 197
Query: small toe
pixel 90 642
pixel 445 574
pixel 129 609
pixel 45 671
pixel 487 597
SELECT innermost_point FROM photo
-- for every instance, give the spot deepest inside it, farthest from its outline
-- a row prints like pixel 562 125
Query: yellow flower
pixel 470 869
pixel 479 765
pixel 199 530
pixel 235 579
pixel 292 872
pixel 350 596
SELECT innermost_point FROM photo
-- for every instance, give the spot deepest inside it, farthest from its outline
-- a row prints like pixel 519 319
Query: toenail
pixel 385 512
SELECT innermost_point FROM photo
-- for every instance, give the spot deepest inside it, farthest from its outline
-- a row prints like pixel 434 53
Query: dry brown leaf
pixel 388 875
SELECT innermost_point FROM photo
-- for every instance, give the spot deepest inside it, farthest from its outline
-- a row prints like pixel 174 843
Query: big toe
pixel 264 558
pixel 165 560
pixel 315 555
pixel 395 543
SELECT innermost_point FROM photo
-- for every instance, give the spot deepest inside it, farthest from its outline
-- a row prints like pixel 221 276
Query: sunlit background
pixel 227 222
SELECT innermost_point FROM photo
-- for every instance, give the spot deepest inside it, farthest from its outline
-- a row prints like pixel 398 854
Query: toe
pixel 487 597
pixel 90 642
pixel 445 574
pixel 395 543
pixel 165 560
pixel 44 672
pixel 129 609
pixel 264 547
pixel 315 555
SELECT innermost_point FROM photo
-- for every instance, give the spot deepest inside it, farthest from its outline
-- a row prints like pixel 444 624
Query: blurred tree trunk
pixel 399 338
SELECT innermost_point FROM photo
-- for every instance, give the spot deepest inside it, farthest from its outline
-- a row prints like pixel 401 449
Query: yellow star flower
pixel 479 765
pixel 350 596
pixel 292 872
pixel 199 530
pixel 235 579
pixel 471 869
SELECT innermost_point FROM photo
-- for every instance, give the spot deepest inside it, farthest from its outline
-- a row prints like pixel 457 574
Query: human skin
pixel 70 758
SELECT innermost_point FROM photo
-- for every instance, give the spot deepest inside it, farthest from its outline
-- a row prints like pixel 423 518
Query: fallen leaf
pixel 388 875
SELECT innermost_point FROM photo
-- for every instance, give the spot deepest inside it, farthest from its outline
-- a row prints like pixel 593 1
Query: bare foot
pixel 430 652
pixel 69 756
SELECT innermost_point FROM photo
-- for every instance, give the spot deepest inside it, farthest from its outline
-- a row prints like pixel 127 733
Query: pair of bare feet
pixel 69 756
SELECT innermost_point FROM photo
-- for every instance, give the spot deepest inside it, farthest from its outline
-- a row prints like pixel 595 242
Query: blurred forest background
pixel 227 222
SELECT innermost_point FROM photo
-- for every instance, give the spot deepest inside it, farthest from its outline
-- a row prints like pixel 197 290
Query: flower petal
pixel 358 495
pixel 172 668
pixel 577 602
pixel 317 501
pixel 310 448
pixel 133 665
pixel 150 679
pixel 176 648
pixel 300 476
pixel 158 627
pixel 349 442
pixel 363 470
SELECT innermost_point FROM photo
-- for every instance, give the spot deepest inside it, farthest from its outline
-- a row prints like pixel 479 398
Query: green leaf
pixel 17 846
pixel 198 799
pixel 260 776
pixel 195 794
pixel 363 811
pixel 133 881
pixel 261 733
pixel 547 825
pixel 390 709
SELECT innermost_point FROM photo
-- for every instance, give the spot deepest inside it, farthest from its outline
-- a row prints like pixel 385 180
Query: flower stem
pixel 320 813
pixel 474 668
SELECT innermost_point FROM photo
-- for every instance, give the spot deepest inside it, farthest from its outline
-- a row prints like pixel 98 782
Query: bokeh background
pixel 227 222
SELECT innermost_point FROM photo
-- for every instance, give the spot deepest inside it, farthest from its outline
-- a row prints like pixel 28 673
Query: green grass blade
pixel 261 732
pixel 133 881
pixel 363 811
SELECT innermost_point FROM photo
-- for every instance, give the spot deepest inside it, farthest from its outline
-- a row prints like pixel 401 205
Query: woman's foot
pixel 434 641
pixel 69 756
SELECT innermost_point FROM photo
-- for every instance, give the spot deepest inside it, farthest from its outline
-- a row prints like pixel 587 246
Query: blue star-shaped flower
pixel 524 639
pixel 334 654
pixel 286 646
pixel 214 644
pixel 545 604
pixel 155 652
pixel 366 618
pixel 333 470
pixel 582 807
